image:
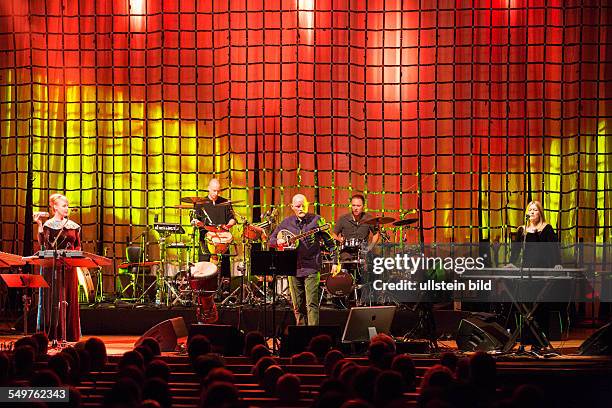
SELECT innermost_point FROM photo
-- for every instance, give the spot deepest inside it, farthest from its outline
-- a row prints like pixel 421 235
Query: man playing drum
pixel 215 218
pixel 351 231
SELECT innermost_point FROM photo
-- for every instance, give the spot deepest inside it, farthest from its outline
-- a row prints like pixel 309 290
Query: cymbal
pixel 407 221
pixel 194 200
pixel 230 202
pixel 183 207
pixel 379 220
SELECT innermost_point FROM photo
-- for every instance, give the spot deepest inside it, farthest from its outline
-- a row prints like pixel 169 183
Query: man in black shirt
pixel 215 211
pixel 350 228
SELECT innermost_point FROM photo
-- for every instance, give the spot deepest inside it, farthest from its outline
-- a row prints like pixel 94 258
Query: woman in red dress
pixel 59 233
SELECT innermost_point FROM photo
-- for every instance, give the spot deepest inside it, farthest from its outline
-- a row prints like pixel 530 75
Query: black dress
pixel 541 251
pixel 58 236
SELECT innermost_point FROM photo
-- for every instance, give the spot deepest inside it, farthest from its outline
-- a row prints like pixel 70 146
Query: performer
pixel 541 242
pixel 539 245
pixel 59 233
pixel 304 287
pixel 350 227
pixel 218 212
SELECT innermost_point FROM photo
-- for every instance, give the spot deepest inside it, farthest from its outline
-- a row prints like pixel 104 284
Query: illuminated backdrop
pixel 460 114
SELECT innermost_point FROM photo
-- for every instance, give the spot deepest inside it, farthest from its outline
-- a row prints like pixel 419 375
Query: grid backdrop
pixel 456 112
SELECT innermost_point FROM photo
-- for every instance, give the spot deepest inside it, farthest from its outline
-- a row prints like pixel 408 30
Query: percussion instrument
pixel 204 283
pixel 352 244
pixel 218 242
pixel 340 284
pixel 252 232
pixel 378 221
pixel 407 221
pixel 194 200
pixel 86 284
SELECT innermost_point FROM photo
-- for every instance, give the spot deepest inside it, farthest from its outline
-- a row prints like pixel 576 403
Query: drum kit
pixel 180 279
pixel 350 275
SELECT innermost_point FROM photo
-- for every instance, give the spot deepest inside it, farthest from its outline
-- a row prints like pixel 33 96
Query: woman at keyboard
pixel 59 233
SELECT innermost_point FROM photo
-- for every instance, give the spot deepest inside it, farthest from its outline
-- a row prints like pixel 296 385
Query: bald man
pixel 304 287
pixel 220 215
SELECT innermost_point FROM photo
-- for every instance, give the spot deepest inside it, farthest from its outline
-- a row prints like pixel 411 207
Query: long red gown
pixel 48 319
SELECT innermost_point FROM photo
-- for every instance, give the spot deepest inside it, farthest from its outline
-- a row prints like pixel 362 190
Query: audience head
pixel 404 365
pixel 219 394
pixel 133 372
pixel 59 364
pixel 145 352
pixel 23 361
pixel 437 376
pixel 304 358
pixel 219 374
pixel 380 354
pixel 330 360
pixel 27 341
pixel 97 353
pixel 356 403
pixel 158 390
pixel 74 361
pixel 158 368
pixel 320 345
pixel 389 386
pixel 259 351
pixel 388 340
pixel 45 378
pixel 251 340
pixel 288 388
pixel 483 370
pixel 364 381
pixel 261 366
pixel 133 358
pixel 153 345
pixel 205 363
pixel 150 404
pixel 450 360
pixel 198 345
pixel 270 378
pixel 125 392
pixel 42 341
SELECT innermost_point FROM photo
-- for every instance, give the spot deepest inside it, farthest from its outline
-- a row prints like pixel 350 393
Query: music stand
pixel 273 263
pixel 24 281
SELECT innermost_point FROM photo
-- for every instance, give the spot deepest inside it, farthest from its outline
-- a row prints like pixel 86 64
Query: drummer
pixel 351 231
pixel 215 211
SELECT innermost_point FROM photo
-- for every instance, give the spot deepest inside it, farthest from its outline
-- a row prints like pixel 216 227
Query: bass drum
pixel 341 284
pixel 87 290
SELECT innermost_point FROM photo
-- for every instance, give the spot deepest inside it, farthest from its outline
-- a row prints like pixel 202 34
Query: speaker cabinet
pixel 224 339
pixel 598 343
pixel 166 333
pixel 475 334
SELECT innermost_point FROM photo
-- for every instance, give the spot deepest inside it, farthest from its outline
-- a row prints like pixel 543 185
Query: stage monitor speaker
pixel 298 337
pixel 598 343
pixel 224 339
pixel 475 334
pixel 166 333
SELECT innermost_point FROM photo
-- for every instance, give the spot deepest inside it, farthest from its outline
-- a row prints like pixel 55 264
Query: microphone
pixel 527 217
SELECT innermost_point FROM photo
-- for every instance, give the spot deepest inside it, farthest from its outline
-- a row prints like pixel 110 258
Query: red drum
pixel 204 277
pixel 340 284
pixel 218 242
pixel 252 232
pixel 204 283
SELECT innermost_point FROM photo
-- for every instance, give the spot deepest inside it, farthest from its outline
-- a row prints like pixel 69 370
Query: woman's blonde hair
pixel 54 198
pixel 540 210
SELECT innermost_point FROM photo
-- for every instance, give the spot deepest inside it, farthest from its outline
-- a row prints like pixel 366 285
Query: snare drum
pixel 340 284
pixel 218 242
